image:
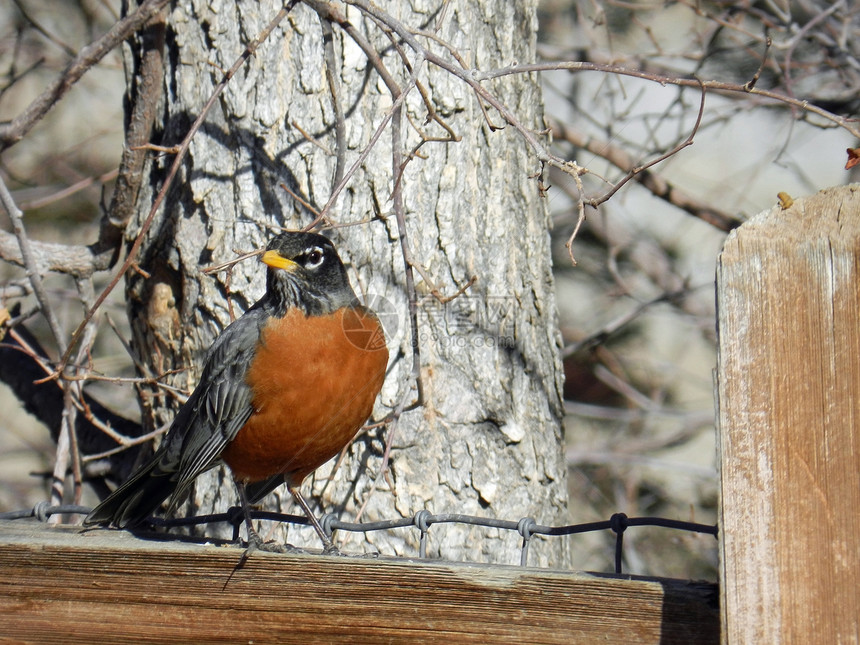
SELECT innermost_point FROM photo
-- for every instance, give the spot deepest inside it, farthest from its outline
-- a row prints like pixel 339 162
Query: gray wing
pixel 220 404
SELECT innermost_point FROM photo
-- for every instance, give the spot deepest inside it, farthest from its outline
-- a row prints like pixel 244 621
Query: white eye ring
pixel 315 257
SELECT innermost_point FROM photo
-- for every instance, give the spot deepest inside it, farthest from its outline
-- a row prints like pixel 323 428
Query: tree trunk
pixel 487 439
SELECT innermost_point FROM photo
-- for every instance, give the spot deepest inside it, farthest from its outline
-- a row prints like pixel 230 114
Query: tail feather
pixel 137 498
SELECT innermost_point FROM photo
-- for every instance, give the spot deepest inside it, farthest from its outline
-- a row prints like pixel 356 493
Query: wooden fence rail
pixel 61 586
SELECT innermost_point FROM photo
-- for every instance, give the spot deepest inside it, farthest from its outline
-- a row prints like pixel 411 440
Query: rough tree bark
pixel 487 440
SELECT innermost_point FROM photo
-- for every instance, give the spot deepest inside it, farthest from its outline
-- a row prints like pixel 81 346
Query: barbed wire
pixel 527 527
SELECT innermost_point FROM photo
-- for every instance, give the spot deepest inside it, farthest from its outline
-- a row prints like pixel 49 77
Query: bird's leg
pixel 329 547
pixel 254 539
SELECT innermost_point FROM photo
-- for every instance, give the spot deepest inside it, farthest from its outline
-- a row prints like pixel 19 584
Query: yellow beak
pixel 277 261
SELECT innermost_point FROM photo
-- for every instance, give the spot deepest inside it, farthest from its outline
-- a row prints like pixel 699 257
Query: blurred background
pixel 636 307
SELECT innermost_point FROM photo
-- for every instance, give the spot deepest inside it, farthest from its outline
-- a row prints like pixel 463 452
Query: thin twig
pixel 470 77
pixel 13 132
pixel 43 30
pixel 719 86
pixel 620 323
pixel 332 76
pixel 330 13
pixel 31 264
pixel 215 268
pixel 73 391
pixel 174 169
pixel 78 186
pixel 658 185
pixel 752 82
pixel 595 202
pixel 125 443
pixel 301 200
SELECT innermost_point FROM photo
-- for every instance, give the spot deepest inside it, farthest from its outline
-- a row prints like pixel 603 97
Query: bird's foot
pixel 256 543
pixel 368 556
pixel 331 549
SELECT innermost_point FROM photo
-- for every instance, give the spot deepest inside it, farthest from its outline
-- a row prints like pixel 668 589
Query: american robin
pixel 284 388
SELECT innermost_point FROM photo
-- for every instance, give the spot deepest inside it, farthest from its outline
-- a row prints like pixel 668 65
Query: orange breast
pixel 314 381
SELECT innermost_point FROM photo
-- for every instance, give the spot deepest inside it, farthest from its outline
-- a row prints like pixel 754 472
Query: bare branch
pixel 174 169
pixel 13 132
pixel 638 169
pixel 146 92
pixel 719 86
pixel 30 263
pixel 74 260
pixel 42 30
pixel 68 191
pixel 332 76
pixel 471 78
pixel 654 182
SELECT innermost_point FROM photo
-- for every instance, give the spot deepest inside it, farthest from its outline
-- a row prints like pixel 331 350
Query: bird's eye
pixel 314 257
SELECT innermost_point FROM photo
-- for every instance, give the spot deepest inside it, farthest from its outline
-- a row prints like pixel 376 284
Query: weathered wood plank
pixel 789 418
pixel 59 585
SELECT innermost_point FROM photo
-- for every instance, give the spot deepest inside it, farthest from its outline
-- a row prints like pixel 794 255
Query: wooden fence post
pixel 788 387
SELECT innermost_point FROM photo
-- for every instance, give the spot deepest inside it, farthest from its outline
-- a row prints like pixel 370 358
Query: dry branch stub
pixel 788 392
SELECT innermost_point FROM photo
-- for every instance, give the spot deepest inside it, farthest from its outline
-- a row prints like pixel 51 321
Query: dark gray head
pixel 306 272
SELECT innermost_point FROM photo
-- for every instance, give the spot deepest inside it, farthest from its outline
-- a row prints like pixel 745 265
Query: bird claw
pixel 256 544
pixel 331 549
pixel 334 551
